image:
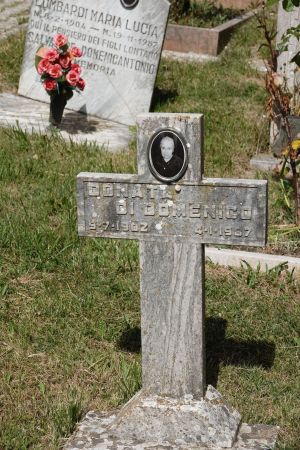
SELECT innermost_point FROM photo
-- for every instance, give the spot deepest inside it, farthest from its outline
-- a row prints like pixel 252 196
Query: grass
pixel 69 307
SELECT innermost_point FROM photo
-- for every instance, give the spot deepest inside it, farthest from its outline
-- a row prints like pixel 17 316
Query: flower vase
pixel 58 103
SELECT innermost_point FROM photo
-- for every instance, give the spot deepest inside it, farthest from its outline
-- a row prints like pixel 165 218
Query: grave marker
pixel 278 134
pixel 121 42
pixel 172 222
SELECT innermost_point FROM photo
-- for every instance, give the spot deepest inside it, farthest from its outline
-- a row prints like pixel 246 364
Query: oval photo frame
pixel 129 4
pixel 167 155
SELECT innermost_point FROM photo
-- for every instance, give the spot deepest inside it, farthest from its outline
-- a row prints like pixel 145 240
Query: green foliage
pixel 130 378
pixel 254 274
pixel 282 103
pixel 65 418
pixel 289 6
pixel 178 8
pixel 206 13
pixel 11 61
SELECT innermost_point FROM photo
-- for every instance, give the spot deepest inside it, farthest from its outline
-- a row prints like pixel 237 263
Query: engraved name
pixel 158 201
pixel 96 16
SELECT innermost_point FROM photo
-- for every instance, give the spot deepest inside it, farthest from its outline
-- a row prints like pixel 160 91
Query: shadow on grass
pixel 233 352
pixel 130 339
pixel 219 350
pixel 161 96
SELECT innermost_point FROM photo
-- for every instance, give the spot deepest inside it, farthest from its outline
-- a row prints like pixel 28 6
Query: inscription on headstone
pixel 217 211
pixel 173 220
pixel 121 42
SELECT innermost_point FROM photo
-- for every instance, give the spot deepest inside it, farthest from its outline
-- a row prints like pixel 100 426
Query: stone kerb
pixel 209 41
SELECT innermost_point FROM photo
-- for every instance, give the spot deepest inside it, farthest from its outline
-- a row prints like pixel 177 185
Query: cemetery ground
pixel 69 307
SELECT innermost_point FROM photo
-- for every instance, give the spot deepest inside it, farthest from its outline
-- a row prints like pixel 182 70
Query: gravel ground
pixel 13 16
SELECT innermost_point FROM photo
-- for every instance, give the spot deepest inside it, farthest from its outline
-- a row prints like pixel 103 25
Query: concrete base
pixel 234 258
pixel 188 57
pixel 264 161
pixel 163 423
pixel 32 116
pixel 92 434
pixel 208 421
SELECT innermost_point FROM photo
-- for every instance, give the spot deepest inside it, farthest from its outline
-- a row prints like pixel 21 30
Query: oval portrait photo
pixel 167 155
pixel 129 4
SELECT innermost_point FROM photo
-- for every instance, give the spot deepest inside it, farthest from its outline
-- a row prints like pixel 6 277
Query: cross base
pixel 163 423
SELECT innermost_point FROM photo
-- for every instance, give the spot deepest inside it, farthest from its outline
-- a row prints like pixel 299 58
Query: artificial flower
pixel 76 68
pixel 72 77
pixel 55 71
pixel 65 61
pixel 81 84
pixel 51 54
pixel 60 40
pixel 76 52
pixel 50 85
pixel 43 66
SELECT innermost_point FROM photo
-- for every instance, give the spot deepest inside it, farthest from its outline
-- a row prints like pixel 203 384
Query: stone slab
pixel 12 12
pixel 93 434
pixel 264 161
pixel 32 116
pixel 217 211
pixel 121 52
pixel 231 257
pixel 188 57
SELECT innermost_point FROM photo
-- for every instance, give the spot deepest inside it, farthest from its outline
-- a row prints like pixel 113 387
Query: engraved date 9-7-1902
pixel 134 227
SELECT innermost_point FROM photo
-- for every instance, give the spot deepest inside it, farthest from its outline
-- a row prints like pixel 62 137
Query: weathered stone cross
pixel 173 212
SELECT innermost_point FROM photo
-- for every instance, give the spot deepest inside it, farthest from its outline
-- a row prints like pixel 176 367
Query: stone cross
pixel 173 212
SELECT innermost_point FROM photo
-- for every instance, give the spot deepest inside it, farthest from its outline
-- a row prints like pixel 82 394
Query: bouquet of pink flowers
pixel 59 73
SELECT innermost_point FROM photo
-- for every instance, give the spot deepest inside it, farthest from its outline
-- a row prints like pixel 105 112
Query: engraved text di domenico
pixel 159 201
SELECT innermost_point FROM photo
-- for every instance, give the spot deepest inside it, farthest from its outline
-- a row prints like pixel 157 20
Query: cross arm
pixel 217 211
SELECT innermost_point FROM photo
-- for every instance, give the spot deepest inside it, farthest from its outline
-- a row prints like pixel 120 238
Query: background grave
pixel 121 51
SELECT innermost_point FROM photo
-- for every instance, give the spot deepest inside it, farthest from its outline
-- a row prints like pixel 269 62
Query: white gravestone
pixel 121 42
pixel 287 20
pixel 173 212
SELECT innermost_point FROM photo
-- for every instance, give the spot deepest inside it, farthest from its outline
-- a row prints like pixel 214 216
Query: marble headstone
pixel 121 42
